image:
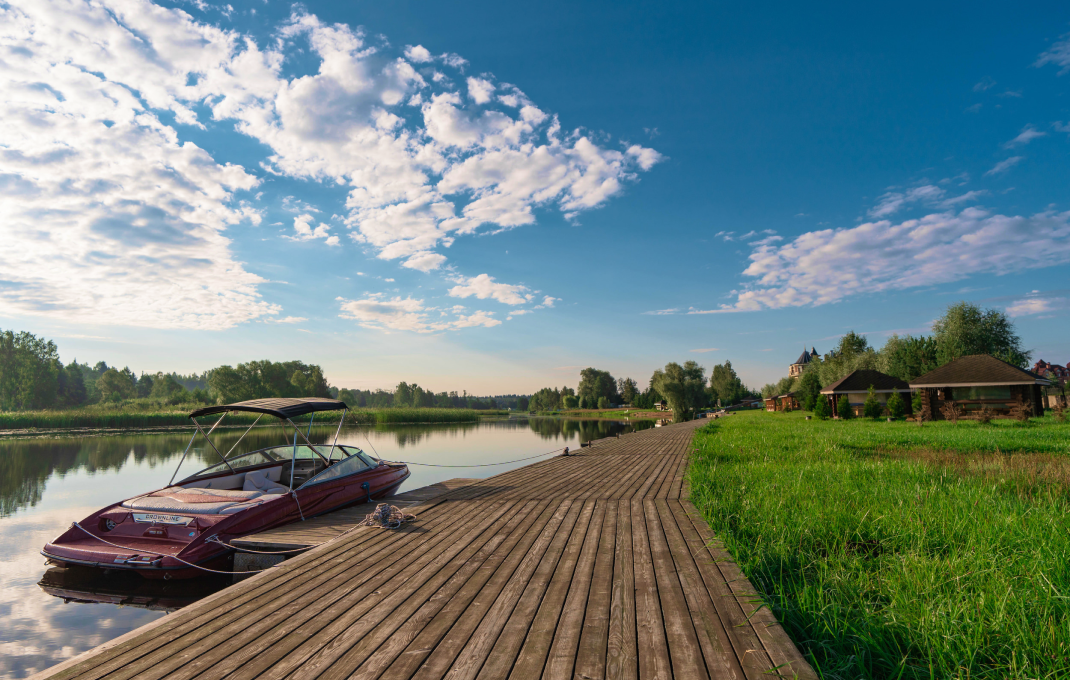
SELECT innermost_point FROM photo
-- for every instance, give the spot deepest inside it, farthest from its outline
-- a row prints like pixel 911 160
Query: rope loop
pixel 299 510
pixel 386 516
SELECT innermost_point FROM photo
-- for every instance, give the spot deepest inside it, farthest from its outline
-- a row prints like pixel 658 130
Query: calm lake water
pixel 48 615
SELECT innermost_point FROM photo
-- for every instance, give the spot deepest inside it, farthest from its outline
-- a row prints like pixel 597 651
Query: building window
pixel 998 393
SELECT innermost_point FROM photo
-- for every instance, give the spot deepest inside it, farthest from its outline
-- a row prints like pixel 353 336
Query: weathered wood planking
pixel 592 565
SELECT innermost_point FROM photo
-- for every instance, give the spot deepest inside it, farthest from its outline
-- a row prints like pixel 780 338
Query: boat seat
pixel 199 501
pixel 260 480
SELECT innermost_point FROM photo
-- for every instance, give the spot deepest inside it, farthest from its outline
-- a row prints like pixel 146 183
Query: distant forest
pixel 33 378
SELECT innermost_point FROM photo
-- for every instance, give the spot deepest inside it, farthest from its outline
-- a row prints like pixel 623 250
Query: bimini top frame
pixel 281 408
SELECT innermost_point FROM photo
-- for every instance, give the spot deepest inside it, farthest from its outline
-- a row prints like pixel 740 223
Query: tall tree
pixel 852 353
pixel 595 383
pixel 684 387
pixel 402 395
pixel 144 385
pixel 809 389
pixel 167 388
pixel 29 371
pixel 72 390
pixel 115 386
pixel 908 357
pixel 627 389
pixel 726 385
pixel 967 329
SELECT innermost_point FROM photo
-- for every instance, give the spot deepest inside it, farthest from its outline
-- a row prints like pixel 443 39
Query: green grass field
pixel 890 550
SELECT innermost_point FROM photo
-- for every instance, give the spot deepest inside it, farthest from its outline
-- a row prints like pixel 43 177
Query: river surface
pixel 48 615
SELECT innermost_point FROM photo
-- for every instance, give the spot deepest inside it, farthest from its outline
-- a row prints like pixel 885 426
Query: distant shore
pixel 96 421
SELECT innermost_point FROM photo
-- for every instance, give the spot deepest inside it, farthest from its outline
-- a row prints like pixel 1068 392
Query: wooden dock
pixel 588 566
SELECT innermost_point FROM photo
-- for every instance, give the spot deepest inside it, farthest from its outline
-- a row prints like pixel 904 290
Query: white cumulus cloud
pixel 304 231
pixel 827 266
pixel 409 314
pixel 484 286
pixel 114 198
pixel 108 216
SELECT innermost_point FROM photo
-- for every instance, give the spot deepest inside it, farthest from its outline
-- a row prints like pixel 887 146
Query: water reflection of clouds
pixel 36 629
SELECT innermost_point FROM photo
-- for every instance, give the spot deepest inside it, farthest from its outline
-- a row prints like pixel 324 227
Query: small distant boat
pixel 184 529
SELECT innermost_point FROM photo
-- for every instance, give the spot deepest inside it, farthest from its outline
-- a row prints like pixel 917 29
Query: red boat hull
pixel 113 538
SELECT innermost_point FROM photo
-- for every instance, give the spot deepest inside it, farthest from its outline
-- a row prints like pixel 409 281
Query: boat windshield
pixel 272 455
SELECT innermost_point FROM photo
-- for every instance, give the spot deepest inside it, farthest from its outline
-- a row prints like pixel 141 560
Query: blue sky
pixel 491 197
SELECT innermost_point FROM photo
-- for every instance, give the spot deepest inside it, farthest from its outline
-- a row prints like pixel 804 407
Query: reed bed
pixel 890 550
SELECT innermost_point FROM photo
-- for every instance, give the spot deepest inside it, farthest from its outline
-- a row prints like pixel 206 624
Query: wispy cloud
pixel 1037 302
pixel 967 197
pixel 1005 165
pixel 1058 55
pixel 985 84
pixel 893 201
pixel 707 349
pixel 662 312
pixel 1028 134
pixel 288 319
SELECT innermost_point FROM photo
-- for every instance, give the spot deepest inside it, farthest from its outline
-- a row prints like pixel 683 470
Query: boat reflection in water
pixel 94 586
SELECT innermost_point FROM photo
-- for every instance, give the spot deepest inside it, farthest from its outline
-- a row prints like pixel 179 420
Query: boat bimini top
pixel 285 409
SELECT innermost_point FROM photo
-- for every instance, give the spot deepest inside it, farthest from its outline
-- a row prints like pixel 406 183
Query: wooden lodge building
pixel 784 402
pixel 980 381
pixel 855 386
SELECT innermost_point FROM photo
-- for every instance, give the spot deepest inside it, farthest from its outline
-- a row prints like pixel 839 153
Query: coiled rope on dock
pixel 386 516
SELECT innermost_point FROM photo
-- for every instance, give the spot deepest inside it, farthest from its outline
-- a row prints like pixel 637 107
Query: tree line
pixel 407 395
pixel 32 378
pixel 963 329
pixel 683 387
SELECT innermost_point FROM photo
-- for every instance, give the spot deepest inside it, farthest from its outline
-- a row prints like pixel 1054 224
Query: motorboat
pixel 184 529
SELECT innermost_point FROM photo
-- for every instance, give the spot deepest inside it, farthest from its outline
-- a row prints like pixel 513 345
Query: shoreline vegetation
pixel 136 417
pixel 889 550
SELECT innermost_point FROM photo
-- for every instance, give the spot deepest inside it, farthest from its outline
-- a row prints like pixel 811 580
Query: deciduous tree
pixel 683 387
pixel 967 329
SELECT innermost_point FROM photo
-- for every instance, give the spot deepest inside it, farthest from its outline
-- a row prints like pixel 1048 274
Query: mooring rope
pixel 216 539
pixel 299 510
pixel 386 516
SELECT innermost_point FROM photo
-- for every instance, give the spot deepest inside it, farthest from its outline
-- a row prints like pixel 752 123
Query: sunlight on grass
pixel 890 550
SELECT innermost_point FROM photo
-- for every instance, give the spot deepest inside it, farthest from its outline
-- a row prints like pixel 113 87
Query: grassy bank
pixel 890 550
pixel 135 417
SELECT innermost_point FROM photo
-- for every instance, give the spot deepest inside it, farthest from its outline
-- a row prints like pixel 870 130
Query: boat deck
pixel 587 566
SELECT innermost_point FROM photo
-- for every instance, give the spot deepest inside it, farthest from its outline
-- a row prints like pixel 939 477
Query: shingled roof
pixel 977 370
pixel 860 381
pixel 804 358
